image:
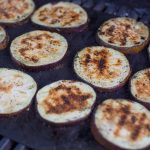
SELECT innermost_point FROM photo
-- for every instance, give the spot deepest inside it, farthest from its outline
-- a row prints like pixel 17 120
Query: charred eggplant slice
pixel 65 102
pixel 3 38
pixel 120 124
pixel 39 49
pixel 124 34
pixel 16 91
pixel 15 12
pixel 140 86
pixel 104 68
pixel 61 16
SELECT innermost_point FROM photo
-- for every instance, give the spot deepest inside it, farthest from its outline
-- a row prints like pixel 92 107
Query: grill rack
pixel 107 7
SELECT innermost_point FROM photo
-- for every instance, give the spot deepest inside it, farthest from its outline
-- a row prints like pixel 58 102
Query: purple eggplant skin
pixel 4 43
pixel 56 65
pixel 64 124
pixel 146 104
pixel 99 89
pixel 102 141
pixel 126 50
pixel 80 28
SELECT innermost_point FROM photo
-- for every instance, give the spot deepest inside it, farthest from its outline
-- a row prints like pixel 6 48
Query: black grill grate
pixel 107 7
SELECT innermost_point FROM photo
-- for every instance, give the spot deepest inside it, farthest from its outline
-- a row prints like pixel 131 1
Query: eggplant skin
pixel 14 25
pixel 125 50
pixel 55 65
pixel 66 30
pixel 16 114
pixel 4 43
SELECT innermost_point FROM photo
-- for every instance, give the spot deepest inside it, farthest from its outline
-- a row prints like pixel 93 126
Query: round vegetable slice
pixel 65 102
pixel 15 12
pixel 119 124
pixel 124 34
pixel 3 38
pixel 16 91
pixel 61 16
pixel 104 68
pixel 140 86
pixel 39 49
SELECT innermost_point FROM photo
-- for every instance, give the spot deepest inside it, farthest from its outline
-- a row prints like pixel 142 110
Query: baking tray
pixel 27 128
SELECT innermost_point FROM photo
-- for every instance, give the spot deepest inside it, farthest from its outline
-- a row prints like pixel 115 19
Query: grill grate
pixel 107 7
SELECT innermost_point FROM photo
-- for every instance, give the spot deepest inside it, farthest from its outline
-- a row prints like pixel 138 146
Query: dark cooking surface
pixel 28 129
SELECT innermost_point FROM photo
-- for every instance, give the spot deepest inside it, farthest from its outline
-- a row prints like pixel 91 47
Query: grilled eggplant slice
pixel 140 86
pixel 3 38
pixel 119 124
pixel 123 34
pixel 65 102
pixel 62 16
pixel 15 12
pixel 16 91
pixel 39 49
pixel 104 68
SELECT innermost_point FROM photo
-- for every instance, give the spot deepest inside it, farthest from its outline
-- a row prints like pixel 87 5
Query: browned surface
pixel 121 31
pixel 138 124
pixel 65 99
pixel 9 9
pixel 142 86
pixel 100 62
pixel 36 43
pixel 59 14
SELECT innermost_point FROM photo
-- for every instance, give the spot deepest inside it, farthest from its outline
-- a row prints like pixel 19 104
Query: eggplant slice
pixel 140 86
pixel 65 102
pixel 3 38
pixel 104 68
pixel 15 12
pixel 61 16
pixel 119 124
pixel 39 49
pixel 124 34
pixel 16 91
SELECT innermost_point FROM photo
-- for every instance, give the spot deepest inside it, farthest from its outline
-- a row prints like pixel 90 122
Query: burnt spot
pixel 136 42
pixel 123 39
pixel 88 58
pixel 125 109
pixel 133 119
pixel 65 99
pixel 142 38
pixel 135 133
pixel 110 30
pixel 122 120
pixel 102 65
